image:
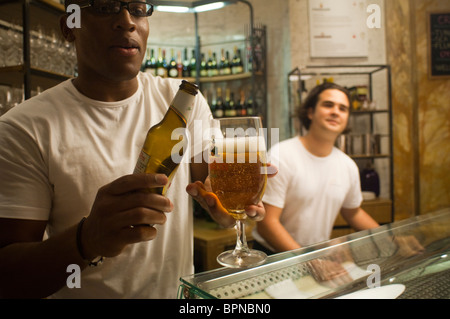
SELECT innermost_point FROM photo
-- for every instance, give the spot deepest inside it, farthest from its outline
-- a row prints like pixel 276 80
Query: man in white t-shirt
pixel 315 180
pixel 69 153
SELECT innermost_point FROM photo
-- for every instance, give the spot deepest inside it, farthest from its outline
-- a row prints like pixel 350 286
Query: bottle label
pixel 183 103
pixel 142 162
pixel 173 73
pixel 162 72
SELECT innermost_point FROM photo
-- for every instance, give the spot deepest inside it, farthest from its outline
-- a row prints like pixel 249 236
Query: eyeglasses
pixel 105 7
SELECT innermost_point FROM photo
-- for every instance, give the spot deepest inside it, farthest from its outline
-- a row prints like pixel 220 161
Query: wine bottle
pixel 160 153
pixel 179 65
pixel 218 112
pixel 213 104
pixel 225 64
pixel 227 109
pixel 203 71
pixel 150 63
pixel 241 109
pixel 209 69
pixel 236 65
pixel 213 69
pixel 172 70
pixel 161 64
pixel 186 65
pixel 232 105
pixel 250 106
pixel 193 65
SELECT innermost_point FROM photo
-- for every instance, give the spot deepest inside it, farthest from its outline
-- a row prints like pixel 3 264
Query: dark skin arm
pixel 32 268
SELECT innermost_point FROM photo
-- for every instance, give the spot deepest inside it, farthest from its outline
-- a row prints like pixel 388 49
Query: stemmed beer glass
pixel 238 176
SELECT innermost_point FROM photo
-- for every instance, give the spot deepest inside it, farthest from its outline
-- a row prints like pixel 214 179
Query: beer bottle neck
pixel 183 103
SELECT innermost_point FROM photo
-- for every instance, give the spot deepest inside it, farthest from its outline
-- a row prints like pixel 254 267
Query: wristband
pixel 94 262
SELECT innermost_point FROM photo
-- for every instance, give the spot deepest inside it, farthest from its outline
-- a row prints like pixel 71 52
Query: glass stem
pixel 241 241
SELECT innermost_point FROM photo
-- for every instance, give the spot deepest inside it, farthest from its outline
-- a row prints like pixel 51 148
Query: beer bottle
pixel 161 154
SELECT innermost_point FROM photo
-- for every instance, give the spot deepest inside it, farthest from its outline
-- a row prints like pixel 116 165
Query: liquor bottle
pixel 214 71
pixel 186 65
pixel 179 65
pixel 241 108
pixel 209 70
pixel 218 112
pixel 213 104
pixel 193 65
pixel 150 63
pixel 161 64
pixel 230 110
pixel 172 69
pixel 250 106
pixel 236 65
pixel 203 71
pixel 225 64
pixel 232 105
pixel 160 154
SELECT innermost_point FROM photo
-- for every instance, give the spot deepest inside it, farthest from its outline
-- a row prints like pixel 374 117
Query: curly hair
pixel 312 99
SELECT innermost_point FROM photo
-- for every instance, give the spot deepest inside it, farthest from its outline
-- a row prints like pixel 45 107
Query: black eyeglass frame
pixel 90 3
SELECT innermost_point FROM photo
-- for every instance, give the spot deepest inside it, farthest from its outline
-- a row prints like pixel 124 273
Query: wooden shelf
pixel 34 71
pixel 220 78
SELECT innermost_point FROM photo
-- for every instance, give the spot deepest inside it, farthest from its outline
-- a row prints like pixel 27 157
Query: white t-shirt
pixel 311 190
pixel 59 148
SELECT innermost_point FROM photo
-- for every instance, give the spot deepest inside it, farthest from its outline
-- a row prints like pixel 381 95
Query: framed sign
pixel 439 45
pixel 338 28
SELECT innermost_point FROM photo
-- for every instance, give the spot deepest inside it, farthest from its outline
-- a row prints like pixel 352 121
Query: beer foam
pixel 247 144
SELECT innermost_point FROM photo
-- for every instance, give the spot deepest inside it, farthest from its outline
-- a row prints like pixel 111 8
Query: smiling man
pixel 315 180
pixel 66 158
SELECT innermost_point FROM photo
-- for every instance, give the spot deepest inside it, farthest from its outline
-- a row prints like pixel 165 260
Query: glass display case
pixel 406 259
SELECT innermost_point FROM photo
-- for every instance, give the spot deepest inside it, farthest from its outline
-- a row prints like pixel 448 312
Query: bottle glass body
pixel 166 142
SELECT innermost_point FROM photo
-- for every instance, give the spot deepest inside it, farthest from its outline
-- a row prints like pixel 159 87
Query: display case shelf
pixel 412 254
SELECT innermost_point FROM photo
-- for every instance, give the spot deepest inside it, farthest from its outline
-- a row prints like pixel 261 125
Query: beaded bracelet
pixel 96 261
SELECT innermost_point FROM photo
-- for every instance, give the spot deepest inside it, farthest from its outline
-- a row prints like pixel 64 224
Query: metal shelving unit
pixel 378 81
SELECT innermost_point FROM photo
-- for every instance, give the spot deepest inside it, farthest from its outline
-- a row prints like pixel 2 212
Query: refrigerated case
pixel 407 259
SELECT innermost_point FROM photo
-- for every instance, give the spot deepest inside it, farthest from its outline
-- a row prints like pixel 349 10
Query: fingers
pixel 134 182
pixel 256 212
pixel 141 199
pixel 272 170
pixel 138 233
pixel 198 191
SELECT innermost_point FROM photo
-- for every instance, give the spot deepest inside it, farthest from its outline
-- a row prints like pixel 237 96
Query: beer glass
pixel 238 175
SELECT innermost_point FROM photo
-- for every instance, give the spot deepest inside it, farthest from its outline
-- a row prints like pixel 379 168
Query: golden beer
pixel 238 178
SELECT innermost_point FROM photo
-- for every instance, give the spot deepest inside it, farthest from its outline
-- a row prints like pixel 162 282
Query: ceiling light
pixel 209 7
pixel 177 9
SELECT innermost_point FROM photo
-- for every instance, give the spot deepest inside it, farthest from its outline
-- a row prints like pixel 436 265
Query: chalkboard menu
pixel 439 51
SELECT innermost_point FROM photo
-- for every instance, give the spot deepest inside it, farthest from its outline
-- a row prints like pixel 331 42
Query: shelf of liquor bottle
pixel 34 71
pixel 231 77
pixel 11 9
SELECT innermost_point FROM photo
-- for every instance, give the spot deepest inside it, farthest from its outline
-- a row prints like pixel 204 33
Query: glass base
pixel 241 259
